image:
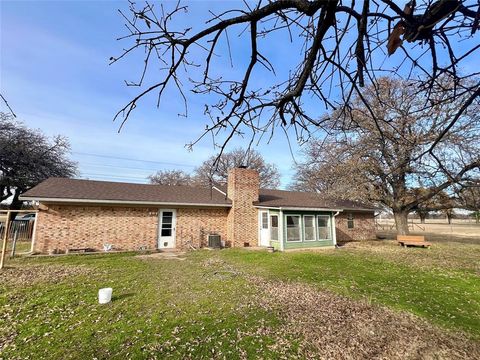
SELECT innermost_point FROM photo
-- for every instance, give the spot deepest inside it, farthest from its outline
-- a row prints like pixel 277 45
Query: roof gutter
pixel 359 209
pixel 296 208
pixel 118 202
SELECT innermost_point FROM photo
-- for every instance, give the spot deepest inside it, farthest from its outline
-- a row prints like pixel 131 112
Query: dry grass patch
pixel 23 275
pixel 334 326
pixel 447 255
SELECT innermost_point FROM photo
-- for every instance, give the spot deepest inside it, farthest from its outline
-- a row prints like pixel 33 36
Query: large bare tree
pixel 386 162
pixel 215 169
pixel 334 49
pixel 28 157
pixel 170 177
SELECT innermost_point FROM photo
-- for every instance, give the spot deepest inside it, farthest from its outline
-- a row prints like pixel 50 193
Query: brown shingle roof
pixel 101 191
pixel 297 199
pixel 105 191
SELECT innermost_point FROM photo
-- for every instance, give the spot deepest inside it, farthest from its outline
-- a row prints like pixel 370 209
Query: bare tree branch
pixel 343 48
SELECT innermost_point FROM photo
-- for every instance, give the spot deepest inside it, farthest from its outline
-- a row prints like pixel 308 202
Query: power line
pixel 115 176
pixel 89 176
pixel 118 166
pixel 130 159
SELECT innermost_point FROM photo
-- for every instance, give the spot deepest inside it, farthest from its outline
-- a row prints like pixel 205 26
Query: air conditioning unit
pixel 214 241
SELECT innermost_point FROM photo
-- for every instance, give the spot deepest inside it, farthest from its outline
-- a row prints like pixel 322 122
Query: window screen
pixel 293 228
pixel 309 225
pixel 323 225
pixel 274 227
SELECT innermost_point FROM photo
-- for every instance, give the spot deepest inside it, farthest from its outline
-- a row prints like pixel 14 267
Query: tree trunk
pixel 16 204
pixel 449 218
pixel 401 222
pixel 422 218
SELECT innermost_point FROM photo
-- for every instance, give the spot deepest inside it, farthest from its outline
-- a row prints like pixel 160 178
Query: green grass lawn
pixel 205 306
pixel 169 308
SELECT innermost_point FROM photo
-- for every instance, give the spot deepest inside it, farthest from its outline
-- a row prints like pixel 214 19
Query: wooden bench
pixel 412 240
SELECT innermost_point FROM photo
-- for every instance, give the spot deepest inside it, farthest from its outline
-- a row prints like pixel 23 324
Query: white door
pixel 166 231
pixel 264 229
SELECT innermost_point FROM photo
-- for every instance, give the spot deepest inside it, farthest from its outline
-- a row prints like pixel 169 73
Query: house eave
pixel 290 208
pixel 360 209
pixel 293 208
pixel 119 202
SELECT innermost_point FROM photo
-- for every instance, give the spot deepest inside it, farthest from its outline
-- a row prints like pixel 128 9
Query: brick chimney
pixel 242 221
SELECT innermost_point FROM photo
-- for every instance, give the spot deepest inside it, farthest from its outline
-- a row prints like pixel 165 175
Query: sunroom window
pixel 274 227
pixel 309 224
pixel 293 228
pixel 323 224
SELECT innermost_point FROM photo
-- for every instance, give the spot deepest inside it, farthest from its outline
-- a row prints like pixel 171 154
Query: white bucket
pixel 105 295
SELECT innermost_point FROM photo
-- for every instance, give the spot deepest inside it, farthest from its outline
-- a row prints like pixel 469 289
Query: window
pixel 293 228
pixel 264 220
pixel 350 222
pixel 274 227
pixel 323 224
pixel 167 223
pixel 309 227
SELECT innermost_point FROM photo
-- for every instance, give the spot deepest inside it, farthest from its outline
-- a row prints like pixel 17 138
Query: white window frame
pixel 300 228
pixel 314 228
pixel 329 227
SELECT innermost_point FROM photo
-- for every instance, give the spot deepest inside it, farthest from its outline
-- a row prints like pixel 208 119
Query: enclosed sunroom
pixel 286 229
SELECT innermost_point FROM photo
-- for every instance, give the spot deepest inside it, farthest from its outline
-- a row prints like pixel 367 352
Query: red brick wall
pixel 67 226
pixel 64 227
pixel 242 222
pixel 364 226
pixel 194 225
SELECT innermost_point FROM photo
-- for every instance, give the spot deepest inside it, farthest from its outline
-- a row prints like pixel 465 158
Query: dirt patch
pixel 26 275
pixel 162 256
pixel 336 327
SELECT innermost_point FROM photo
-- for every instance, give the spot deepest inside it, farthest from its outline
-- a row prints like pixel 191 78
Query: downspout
pixel 334 229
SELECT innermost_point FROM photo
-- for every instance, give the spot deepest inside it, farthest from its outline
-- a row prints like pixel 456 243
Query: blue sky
pixel 55 74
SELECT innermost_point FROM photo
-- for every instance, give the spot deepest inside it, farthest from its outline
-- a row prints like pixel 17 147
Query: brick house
pixel 88 214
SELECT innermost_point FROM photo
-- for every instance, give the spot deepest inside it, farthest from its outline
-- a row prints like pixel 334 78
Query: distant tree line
pixel 214 170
